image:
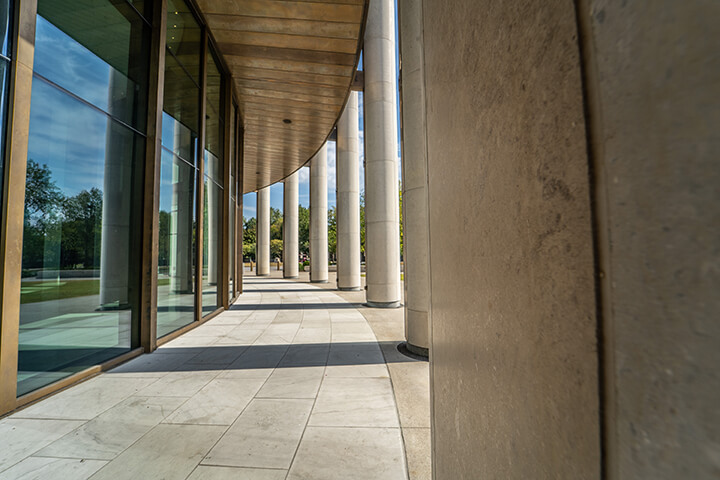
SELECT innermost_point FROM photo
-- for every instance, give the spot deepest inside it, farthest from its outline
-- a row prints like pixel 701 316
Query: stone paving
pixel 291 383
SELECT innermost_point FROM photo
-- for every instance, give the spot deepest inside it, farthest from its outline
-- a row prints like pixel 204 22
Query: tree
pixel 276 224
pixel 276 249
pixel 249 231
pixel 249 251
pixel 362 224
pixel 401 223
pixel 304 230
pixel 82 229
pixel 332 233
pixel 43 215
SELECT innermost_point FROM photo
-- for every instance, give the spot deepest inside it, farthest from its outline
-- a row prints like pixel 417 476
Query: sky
pixel 276 190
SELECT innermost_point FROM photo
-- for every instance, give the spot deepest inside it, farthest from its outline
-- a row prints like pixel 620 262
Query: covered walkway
pixel 291 382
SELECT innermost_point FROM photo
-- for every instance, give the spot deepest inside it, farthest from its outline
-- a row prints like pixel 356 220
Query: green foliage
pixel 59 232
pixel 249 231
pixel 332 233
pixel 401 222
pixel 304 230
pixel 276 224
pixel 249 251
pixel 362 223
pixel 276 249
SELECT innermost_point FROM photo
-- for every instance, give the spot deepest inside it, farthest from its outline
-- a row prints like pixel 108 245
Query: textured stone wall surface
pixel 654 84
pixel 514 358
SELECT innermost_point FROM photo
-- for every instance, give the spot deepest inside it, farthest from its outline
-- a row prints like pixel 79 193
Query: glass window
pixel 179 171
pixel 176 259
pixel 103 56
pixel 5 30
pixel 213 182
pixel 5 27
pixel 232 209
pixel 79 290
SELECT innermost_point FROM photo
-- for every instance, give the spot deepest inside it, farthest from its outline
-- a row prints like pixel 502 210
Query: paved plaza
pixel 295 381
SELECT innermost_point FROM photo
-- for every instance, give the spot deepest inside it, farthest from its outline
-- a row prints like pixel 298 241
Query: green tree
pixel 332 233
pixel 304 230
pixel 362 224
pixel 164 239
pixel 249 251
pixel 43 214
pixel 401 223
pixel 249 237
pixel 276 224
pixel 276 249
pixel 82 229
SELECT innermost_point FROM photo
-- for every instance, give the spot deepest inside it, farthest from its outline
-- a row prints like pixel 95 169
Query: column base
pixel 411 351
pixel 421 351
pixel 395 304
pixel 318 281
pixel 350 289
pixel 290 278
pixel 262 274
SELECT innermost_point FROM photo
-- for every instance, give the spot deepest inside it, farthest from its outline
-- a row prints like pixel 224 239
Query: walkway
pixel 290 383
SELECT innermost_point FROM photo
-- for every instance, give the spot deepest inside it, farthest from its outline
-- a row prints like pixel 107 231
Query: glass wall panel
pixel 83 194
pixel 176 260
pixel 103 56
pixel 5 27
pixel 179 171
pixel 5 31
pixel 232 209
pixel 213 197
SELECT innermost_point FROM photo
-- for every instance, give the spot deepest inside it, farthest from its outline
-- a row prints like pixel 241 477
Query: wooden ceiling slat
pixel 288 65
pixel 279 40
pixel 288 60
pixel 290 77
pixel 242 23
pixel 301 88
pixel 334 109
pixel 319 11
pixel 296 97
pixel 288 54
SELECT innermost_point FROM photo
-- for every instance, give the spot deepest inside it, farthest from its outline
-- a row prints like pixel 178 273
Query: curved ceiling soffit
pixel 289 61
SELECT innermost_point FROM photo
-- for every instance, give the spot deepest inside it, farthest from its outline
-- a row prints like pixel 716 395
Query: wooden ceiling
pixel 290 60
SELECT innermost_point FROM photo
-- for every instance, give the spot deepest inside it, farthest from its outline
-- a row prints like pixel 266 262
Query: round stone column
pixel 290 226
pixel 318 217
pixel 382 236
pixel 262 245
pixel 348 198
pixel 416 255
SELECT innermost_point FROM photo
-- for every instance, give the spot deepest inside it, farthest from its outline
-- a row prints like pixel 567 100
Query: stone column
pixel 382 237
pixel 348 198
pixel 290 226
pixel 262 245
pixel 414 185
pixel 318 217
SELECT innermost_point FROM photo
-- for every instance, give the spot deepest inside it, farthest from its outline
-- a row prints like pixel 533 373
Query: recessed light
pixel 287 120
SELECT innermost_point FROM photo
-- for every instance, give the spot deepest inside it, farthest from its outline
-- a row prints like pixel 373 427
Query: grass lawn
pixel 31 292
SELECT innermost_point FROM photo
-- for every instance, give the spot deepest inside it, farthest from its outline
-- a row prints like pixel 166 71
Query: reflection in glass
pixel 104 63
pixel 4 81
pixel 5 27
pixel 78 260
pixel 4 77
pixel 179 171
pixel 176 266
pixel 213 182
pixel 231 210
